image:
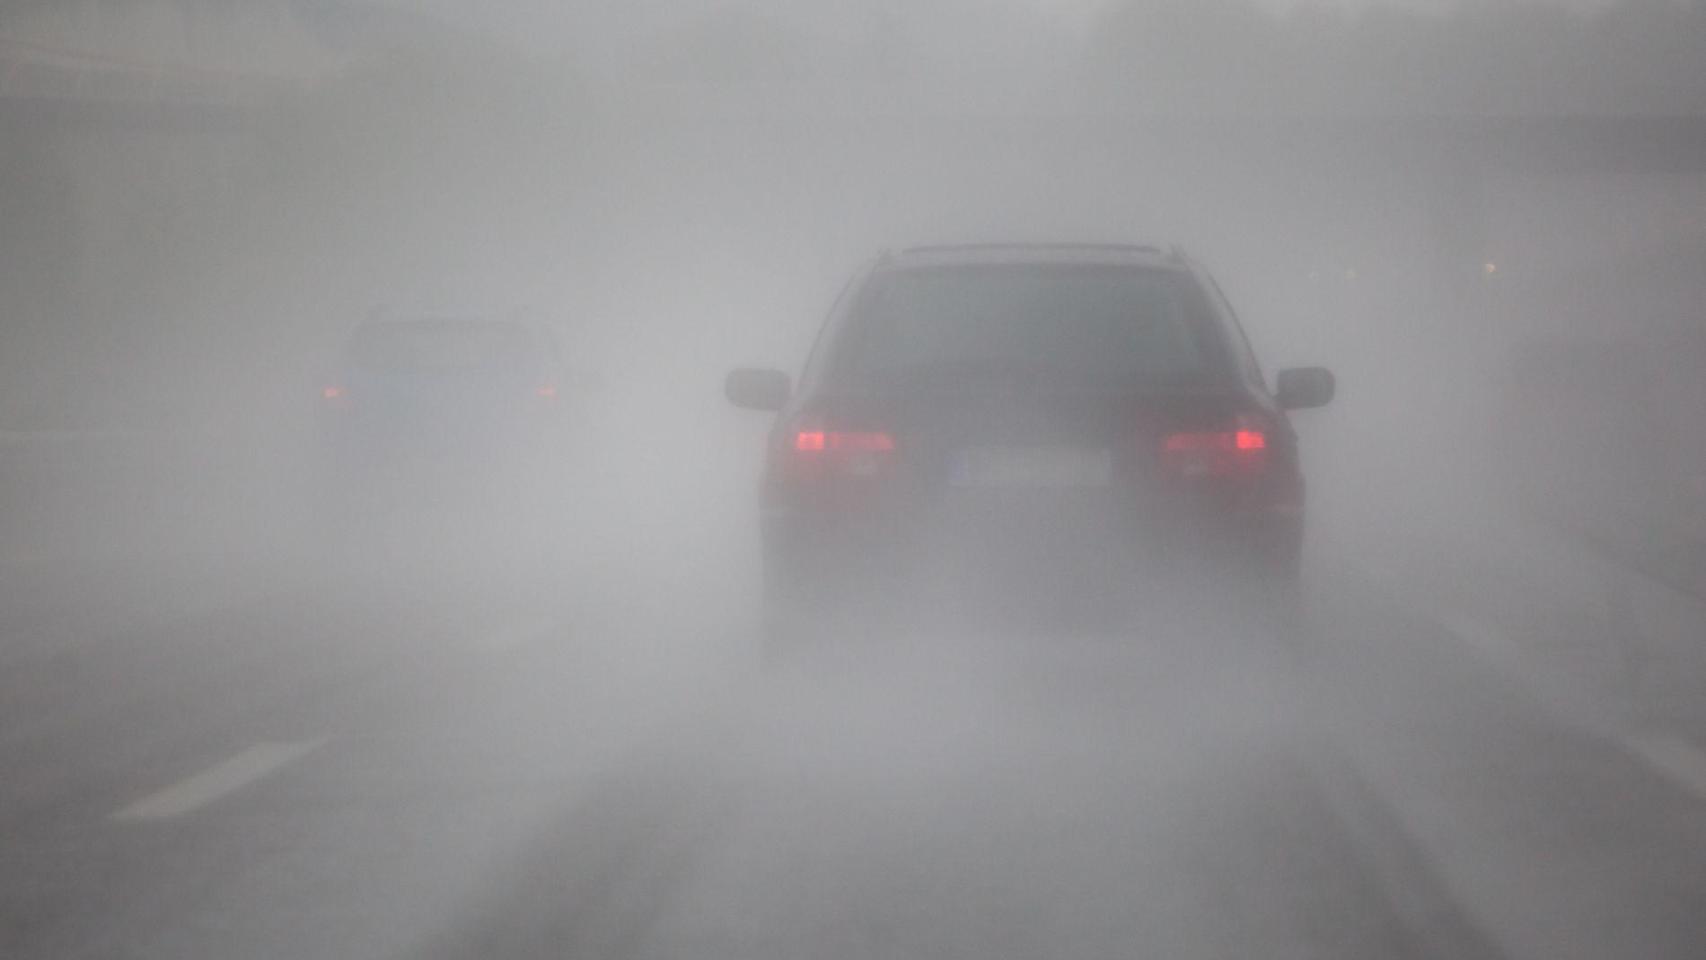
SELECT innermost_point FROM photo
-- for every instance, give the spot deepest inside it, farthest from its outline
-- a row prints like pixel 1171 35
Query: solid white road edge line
pixel 1673 757
pixel 1479 633
pixel 195 792
pixel 1680 761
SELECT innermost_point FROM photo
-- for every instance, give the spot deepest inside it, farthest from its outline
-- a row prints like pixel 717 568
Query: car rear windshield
pixel 427 345
pixel 1091 324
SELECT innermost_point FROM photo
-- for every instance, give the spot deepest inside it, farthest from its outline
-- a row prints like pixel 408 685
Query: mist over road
pixel 448 641
pixel 431 765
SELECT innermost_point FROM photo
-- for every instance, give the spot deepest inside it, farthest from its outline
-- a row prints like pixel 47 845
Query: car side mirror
pixel 1304 387
pixel 766 390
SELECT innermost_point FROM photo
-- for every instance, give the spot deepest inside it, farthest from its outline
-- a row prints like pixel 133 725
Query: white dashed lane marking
pixel 227 777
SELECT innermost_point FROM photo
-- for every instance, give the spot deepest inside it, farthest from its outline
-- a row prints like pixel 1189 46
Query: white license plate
pixel 1032 467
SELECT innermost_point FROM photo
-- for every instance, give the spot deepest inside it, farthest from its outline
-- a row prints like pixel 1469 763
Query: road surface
pixel 347 774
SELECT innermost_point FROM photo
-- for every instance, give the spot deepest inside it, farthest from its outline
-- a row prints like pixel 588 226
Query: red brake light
pixel 332 393
pixel 1242 449
pixel 546 392
pixel 817 453
pixel 821 441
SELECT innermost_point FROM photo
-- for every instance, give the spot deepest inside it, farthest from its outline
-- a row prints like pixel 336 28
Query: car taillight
pixel 546 392
pixel 1240 448
pixel 837 441
pixel 815 451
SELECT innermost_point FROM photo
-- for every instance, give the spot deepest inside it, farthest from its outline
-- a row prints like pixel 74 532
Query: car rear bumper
pixel 1070 549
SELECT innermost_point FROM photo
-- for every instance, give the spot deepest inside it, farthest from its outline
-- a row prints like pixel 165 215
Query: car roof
pixel 440 321
pixel 1154 257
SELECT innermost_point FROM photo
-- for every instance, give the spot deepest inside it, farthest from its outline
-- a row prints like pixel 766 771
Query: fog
pixel 1486 217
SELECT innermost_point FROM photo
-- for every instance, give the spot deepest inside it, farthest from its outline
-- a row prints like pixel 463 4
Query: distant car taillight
pixel 1241 448
pixel 546 392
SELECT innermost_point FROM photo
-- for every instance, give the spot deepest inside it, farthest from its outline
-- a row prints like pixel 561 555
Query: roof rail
pixel 1111 247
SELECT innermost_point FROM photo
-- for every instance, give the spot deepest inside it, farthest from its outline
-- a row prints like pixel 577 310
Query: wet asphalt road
pixel 345 774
